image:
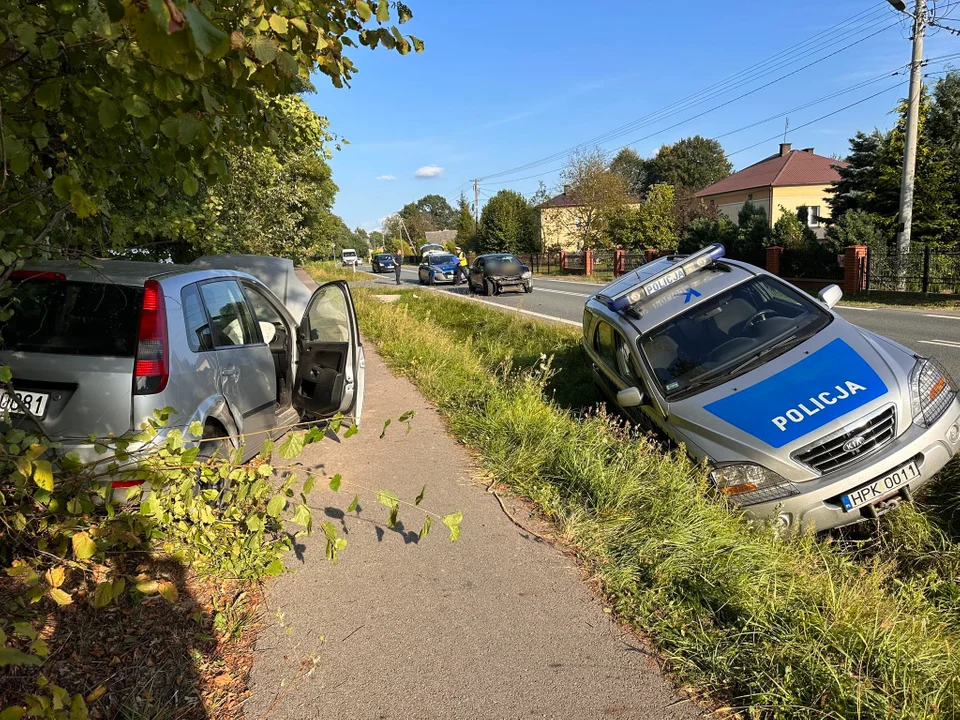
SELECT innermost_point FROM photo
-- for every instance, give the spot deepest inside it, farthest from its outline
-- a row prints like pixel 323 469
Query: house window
pixel 750 197
pixel 813 215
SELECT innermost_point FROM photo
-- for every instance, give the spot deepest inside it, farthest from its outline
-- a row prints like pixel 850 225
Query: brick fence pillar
pixel 854 275
pixel 773 259
pixel 588 262
pixel 619 263
pixel 649 255
pixel 563 261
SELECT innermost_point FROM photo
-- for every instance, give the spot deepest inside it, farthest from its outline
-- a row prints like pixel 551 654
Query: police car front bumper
pixel 818 505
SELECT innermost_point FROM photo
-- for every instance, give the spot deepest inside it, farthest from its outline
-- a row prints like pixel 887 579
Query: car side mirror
pixel 830 295
pixel 631 397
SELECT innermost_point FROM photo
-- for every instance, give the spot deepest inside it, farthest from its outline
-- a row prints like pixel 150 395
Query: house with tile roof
pixel 791 179
pixel 560 217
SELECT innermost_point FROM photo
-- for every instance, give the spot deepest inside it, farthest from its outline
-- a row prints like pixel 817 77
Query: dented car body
pixel 803 418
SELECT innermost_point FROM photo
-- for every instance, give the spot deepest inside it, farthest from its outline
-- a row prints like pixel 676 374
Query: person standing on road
pixel 397 262
pixel 461 274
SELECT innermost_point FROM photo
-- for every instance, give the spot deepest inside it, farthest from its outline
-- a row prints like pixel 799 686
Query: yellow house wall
pixel 793 197
pixel 730 203
pixel 557 227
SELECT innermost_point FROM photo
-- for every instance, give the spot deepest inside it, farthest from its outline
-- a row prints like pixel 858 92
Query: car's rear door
pixel 330 370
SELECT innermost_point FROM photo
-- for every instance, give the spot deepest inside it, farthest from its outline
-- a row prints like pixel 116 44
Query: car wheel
pixel 528 288
pixel 488 288
pixel 212 445
pixel 430 280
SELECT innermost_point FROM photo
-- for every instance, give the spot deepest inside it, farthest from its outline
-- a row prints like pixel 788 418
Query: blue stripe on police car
pixel 804 397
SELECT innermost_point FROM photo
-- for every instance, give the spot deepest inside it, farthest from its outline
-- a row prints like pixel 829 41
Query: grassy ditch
pixel 804 628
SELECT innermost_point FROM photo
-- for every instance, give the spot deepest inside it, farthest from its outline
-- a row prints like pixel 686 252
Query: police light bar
pixel 668 277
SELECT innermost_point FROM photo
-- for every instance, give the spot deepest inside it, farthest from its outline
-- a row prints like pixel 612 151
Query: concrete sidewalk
pixel 497 625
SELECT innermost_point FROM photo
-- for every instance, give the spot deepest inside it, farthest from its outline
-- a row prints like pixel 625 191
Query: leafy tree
pixel 706 231
pixel 657 219
pixel 632 169
pixel 856 227
pixel 506 225
pixel 790 232
pixel 597 193
pixel 753 229
pixel 107 102
pixel 466 225
pixel 693 162
pixel 858 184
pixel 687 207
pixel 376 240
pixel 438 209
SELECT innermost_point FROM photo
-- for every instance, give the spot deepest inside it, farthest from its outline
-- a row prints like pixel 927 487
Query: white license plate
pixel 881 488
pixel 34 402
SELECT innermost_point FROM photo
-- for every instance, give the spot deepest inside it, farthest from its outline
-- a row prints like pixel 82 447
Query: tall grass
pixel 797 628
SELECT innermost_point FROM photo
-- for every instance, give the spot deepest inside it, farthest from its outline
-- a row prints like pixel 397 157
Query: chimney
pixel 785 148
pixel 807 150
pixel 566 189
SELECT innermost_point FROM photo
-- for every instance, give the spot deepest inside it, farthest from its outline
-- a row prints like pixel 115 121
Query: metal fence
pixel 756 257
pixel 604 261
pixel 811 264
pixel 541 262
pixel 925 269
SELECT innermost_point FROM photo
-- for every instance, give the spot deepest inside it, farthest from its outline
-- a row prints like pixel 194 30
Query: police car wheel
pixel 430 280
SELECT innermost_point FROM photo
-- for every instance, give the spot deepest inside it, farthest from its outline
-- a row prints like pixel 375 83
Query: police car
pixel 803 418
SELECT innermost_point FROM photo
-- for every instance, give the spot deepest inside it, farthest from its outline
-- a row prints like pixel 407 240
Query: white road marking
pixel 547 278
pixel 944 317
pixel 854 307
pixel 539 288
pixel 944 343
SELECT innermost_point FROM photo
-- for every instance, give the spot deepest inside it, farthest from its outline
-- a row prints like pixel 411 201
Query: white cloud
pixel 429 171
pixel 386 177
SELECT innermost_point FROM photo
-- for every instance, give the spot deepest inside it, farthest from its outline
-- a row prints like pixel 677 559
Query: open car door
pixel 330 370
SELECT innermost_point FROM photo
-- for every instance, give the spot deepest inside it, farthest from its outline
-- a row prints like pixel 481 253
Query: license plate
pixel 34 402
pixel 881 488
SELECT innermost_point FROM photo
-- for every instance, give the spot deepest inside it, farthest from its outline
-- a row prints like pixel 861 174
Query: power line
pixel 719 88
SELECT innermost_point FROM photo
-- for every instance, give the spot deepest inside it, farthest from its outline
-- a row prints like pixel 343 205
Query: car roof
pixel 121 272
pixel 678 297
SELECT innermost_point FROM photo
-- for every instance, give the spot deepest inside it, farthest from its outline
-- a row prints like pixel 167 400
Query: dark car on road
pixel 382 262
pixel 490 274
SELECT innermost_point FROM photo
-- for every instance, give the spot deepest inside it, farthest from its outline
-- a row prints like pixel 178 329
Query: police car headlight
pixel 527 274
pixel 932 391
pixel 749 484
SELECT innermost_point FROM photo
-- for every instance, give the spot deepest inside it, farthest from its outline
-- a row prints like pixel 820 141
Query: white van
pixel 349 257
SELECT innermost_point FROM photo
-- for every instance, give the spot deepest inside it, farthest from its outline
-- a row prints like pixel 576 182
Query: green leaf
pixel 13 712
pixel 453 521
pixel 84 547
pixel 363 10
pixel 275 568
pixel 351 431
pixel 383 10
pixel 49 49
pixel 355 504
pixel 170 127
pixel 417 44
pixel 425 530
pixel 136 106
pixel 300 25
pixel 103 595
pixel 383 433
pixel 264 48
pixel 6 375
pixel 187 129
pixel 302 516
pixel 48 96
pixel 206 35
pixel 420 496
pixel 388 498
pixel 309 484
pixel 335 482
pixel 25 630
pixel 174 440
pixel 292 446
pixel 279 24
pixel 78 708
pixel 115 10
pixel 195 429
pixel 43 475
pixel 108 113
pixel 190 185
pixel 392 520
pixel 10 656
pixel 276 505
pixel 63 186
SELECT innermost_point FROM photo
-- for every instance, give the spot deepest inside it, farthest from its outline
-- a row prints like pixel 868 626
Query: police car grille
pixel 829 455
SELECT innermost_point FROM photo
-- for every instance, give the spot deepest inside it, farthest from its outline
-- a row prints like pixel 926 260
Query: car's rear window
pixel 73 318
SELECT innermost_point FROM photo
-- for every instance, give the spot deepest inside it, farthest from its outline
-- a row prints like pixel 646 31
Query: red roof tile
pixel 797 167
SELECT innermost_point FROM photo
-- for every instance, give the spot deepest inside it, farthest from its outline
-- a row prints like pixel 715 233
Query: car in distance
pixel 382 262
pixel 802 417
pixel 349 257
pixel 491 274
pixel 95 350
pixel 437 267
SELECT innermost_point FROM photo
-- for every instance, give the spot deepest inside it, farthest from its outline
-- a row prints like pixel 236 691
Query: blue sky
pixel 503 83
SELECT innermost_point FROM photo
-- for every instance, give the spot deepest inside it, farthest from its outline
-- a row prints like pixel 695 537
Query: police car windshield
pixel 440 258
pixel 729 334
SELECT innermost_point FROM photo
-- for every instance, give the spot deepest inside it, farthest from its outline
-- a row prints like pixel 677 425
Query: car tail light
pixel 151 369
pixel 37 275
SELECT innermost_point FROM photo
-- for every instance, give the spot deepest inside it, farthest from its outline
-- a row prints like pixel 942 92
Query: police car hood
pixel 838 376
pixel 446 266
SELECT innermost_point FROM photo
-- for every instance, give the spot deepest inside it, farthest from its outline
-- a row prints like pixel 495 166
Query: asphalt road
pixel 928 332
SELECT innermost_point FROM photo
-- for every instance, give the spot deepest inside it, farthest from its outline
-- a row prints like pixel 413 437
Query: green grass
pixel 880 299
pixel 866 627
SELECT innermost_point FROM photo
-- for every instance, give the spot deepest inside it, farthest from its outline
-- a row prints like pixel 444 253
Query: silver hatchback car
pixel 95 350
pixel 803 418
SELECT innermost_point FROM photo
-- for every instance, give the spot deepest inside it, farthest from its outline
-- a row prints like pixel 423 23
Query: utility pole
pixel 476 204
pixel 912 129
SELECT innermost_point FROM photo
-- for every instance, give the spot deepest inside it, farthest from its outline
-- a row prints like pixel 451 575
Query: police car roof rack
pixel 627 299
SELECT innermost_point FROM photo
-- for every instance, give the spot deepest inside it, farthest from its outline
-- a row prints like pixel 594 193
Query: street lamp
pixel 899 5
